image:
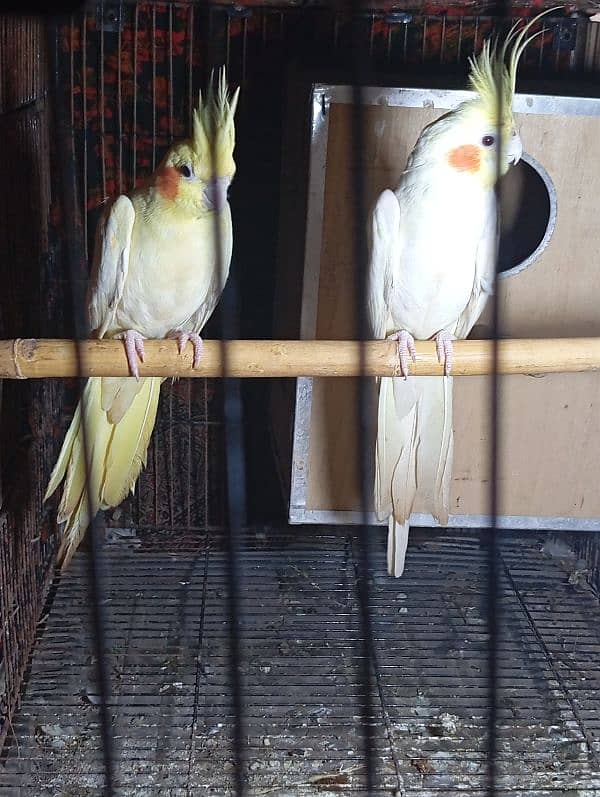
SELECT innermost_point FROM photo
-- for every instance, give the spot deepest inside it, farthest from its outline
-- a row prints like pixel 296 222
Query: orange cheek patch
pixel 167 182
pixel 466 158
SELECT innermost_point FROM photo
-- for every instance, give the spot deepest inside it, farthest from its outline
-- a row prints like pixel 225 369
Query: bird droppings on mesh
pixel 445 725
pixel 557 548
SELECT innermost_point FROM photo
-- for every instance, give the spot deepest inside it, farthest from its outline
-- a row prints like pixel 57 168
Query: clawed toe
pixel 445 350
pixel 406 349
pixel 134 348
pixel 183 338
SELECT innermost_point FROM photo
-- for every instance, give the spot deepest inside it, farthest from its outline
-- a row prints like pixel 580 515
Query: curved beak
pixel 215 193
pixel 514 149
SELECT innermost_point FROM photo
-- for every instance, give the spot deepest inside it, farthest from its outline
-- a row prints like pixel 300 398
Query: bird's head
pixel 196 173
pixel 471 147
pixel 467 139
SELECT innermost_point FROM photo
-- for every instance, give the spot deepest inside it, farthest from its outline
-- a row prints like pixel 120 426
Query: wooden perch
pixel 35 359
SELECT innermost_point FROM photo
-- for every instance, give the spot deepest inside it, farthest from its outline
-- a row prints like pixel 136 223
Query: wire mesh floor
pixel 167 652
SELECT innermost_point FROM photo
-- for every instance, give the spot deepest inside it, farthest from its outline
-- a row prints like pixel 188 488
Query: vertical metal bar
pixel 371 34
pixel 190 64
pixel 153 87
pixel 576 51
pixel 207 427
pixel 493 549
pixel 443 42
pixel 389 42
pixel 459 44
pixel 476 35
pixel 72 79
pixel 191 384
pixel 171 477
pixel 76 258
pixel 228 34
pixel 405 45
pixel 84 122
pixel 541 57
pixel 189 457
pixel 120 102
pixel 136 26
pixel 424 39
pixel 155 464
pixel 171 87
pixel 557 49
pixel 236 503
pixel 366 649
pixel 101 108
pixel 244 48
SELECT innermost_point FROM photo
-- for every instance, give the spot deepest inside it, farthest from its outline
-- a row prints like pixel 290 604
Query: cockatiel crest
pixel 214 121
pixel 197 172
pixel 495 69
pixel 478 123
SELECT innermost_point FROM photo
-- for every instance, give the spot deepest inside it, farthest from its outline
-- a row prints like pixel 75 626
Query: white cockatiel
pixel 431 271
pixel 156 274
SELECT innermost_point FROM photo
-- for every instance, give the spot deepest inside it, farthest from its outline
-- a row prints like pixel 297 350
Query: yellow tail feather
pixel 126 454
pixel 116 451
pixel 60 468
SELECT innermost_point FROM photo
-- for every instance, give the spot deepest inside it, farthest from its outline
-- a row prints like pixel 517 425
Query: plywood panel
pixel 551 425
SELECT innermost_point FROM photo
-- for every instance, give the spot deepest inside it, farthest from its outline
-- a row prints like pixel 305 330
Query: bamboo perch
pixel 36 359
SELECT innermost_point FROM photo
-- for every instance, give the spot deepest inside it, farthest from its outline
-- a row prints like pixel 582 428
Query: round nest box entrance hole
pixel 527 215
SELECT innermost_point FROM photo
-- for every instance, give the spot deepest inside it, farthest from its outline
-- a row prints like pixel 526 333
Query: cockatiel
pixel 431 271
pixel 156 274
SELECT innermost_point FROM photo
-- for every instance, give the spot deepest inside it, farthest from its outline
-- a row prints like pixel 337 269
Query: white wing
pixel 111 263
pixel 483 283
pixel 384 233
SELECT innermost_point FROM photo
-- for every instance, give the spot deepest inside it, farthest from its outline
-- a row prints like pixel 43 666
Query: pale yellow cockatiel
pixel 431 271
pixel 156 274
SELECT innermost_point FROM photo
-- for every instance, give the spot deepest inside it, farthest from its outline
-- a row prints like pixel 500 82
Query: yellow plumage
pixel 495 69
pixel 156 274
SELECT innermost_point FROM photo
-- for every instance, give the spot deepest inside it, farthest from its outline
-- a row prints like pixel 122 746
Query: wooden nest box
pixel 550 287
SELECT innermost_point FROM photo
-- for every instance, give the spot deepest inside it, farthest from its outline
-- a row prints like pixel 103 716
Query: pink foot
pixel 182 339
pixel 445 350
pixel 134 348
pixel 406 349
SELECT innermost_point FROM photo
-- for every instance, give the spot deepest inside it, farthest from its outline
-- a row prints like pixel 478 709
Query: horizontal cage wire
pixel 130 72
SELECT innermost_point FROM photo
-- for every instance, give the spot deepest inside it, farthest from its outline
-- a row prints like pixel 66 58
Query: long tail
pixel 413 456
pixel 119 415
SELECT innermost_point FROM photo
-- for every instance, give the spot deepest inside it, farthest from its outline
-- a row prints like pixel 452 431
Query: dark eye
pixel 186 171
pixel 487 141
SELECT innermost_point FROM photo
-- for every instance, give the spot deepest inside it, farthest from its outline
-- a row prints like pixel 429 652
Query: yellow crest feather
pixel 213 124
pixel 497 68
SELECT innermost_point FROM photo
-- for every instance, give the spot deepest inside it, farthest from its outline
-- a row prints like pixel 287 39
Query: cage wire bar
pixel 492 572
pixel 77 269
pixel 366 661
pixel 236 501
